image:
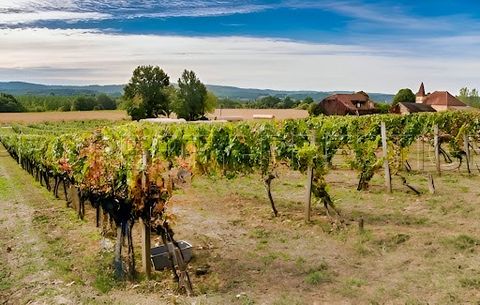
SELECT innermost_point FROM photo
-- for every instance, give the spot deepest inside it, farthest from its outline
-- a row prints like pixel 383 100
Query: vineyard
pixel 129 172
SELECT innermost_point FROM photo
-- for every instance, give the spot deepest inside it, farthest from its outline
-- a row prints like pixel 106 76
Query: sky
pixel 375 46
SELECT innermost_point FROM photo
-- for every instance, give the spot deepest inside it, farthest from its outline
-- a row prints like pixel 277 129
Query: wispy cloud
pixel 84 57
pixel 27 12
pixel 388 15
pixel 374 46
pixel 13 18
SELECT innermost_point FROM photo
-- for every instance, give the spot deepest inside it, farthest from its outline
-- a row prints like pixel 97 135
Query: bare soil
pixel 37 117
pixel 116 115
pixel 413 249
pixel 247 114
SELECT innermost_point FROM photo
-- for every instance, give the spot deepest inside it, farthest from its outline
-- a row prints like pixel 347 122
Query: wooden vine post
pixel 423 155
pixel 308 195
pixel 436 144
pixel 466 147
pixel 145 224
pixel 388 178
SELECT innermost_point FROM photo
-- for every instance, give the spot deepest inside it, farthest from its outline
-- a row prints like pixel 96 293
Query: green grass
pixel 5 281
pixel 351 287
pixel 393 241
pixel 246 300
pixel 286 299
pixel 269 258
pixel 463 242
pixel 5 188
pixel 470 282
pixel 318 275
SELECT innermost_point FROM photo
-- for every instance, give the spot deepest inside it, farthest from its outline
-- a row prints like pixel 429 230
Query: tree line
pixel 267 102
pixel 36 103
pixel 469 97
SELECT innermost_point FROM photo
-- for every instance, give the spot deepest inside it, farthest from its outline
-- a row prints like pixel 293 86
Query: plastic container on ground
pixel 159 255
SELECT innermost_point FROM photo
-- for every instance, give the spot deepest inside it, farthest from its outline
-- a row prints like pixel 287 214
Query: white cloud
pixel 85 57
pixel 31 17
pixel 30 11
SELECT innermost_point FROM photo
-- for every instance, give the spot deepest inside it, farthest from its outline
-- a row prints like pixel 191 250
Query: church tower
pixel 420 96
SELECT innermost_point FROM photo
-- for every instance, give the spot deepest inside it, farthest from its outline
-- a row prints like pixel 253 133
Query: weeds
pixel 472 282
pixel 392 242
pixel 463 242
pixel 318 275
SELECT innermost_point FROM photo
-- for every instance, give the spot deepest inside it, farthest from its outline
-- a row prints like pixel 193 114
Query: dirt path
pixel 49 256
pixel 25 273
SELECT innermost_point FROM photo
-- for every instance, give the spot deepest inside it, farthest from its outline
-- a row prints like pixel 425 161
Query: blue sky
pixel 319 45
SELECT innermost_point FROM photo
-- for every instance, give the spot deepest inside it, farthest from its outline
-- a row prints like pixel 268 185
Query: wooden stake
pixel 361 224
pixel 423 155
pixel 308 195
pixel 467 151
pixel 388 178
pixel 437 149
pixel 145 225
pixel 431 184
pixel 75 198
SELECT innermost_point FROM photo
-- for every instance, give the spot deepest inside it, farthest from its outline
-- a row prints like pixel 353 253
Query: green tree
pixel 404 96
pixel 288 103
pixel 147 94
pixel 470 97
pixel 84 103
pixel 382 107
pixel 268 102
pixel 8 103
pixel 193 99
pixel 105 102
pixel 308 100
pixel 211 102
pixel 315 109
pixel 464 94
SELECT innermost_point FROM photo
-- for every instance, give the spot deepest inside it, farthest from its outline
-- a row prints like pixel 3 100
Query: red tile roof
pixel 350 100
pixel 417 107
pixel 443 98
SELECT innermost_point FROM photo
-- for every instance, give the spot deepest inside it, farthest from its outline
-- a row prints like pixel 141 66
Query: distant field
pixel 35 117
pixel 247 114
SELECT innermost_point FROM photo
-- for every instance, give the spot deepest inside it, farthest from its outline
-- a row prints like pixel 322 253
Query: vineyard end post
pixel 466 146
pixel 436 144
pixel 145 224
pixel 308 195
pixel 388 178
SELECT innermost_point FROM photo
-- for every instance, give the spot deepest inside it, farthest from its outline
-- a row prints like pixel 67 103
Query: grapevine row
pixel 108 166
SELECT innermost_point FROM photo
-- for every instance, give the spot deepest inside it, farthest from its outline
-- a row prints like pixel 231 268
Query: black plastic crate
pixel 159 255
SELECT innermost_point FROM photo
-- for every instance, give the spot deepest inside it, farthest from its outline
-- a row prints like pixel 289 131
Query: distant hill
pixel 23 88
pixel 251 94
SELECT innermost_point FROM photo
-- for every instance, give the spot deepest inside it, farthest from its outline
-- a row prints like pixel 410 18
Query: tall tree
pixel 193 99
pixel 404 96
pixel 146 92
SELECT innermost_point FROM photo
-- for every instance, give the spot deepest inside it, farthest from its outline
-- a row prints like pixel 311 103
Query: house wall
pixel 439 107
pixel 403 110
pixel 461 108
pixel 419 99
